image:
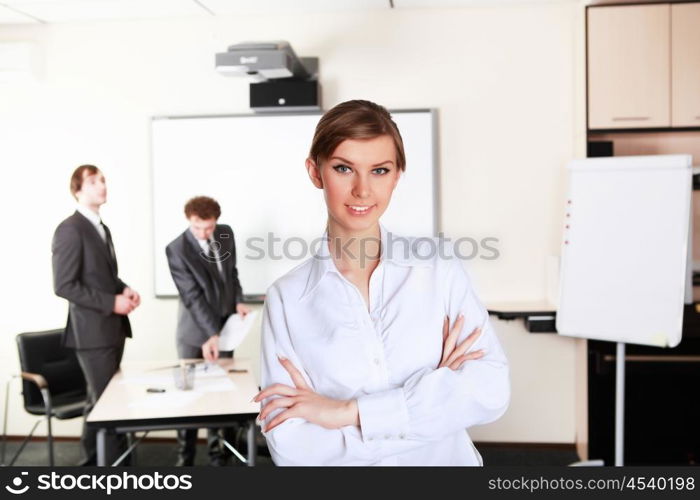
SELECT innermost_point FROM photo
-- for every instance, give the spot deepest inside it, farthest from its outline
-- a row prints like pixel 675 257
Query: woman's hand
pixel 454 356
pixel 301 402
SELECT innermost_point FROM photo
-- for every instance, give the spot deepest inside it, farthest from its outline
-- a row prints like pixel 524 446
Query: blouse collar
pixel 397 250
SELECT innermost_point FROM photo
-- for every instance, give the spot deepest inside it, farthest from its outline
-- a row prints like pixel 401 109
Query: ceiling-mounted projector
pixel 283 81
pixel 268 59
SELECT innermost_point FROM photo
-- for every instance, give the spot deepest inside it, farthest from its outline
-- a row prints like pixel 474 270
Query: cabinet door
pixel 629 66
pixel 685 54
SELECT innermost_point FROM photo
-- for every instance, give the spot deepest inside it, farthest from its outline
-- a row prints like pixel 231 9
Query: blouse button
pixel 376 361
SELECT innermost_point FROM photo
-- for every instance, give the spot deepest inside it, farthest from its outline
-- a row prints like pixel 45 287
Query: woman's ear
pixel 314 173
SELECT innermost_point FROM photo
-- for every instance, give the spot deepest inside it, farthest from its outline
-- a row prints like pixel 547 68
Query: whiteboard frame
pixel 259 298
pixel 642 162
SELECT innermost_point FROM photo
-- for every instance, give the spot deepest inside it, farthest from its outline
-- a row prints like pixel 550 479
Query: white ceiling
pixel 61 11
pixel 228 7
pixel 8 16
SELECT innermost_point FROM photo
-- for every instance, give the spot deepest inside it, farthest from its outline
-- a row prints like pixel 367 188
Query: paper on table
pixel 235 330
pixel 214 385
pixel 151 379
pixel 174 399
pixel 210 377
pixel 164 379
pixel 208 370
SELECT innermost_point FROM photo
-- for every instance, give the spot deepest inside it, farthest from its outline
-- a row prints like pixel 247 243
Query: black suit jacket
pixel 207 297
pixel 85 273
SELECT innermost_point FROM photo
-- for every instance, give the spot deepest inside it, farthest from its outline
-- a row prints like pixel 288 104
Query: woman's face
pixel 357 180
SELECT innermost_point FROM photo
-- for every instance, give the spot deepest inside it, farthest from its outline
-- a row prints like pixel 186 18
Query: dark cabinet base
pixel 662 400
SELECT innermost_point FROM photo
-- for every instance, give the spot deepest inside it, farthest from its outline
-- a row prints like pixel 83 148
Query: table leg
pixel 252 443
pixel 101 451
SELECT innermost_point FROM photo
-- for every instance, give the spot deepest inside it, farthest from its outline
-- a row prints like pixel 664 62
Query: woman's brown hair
pixel 355 119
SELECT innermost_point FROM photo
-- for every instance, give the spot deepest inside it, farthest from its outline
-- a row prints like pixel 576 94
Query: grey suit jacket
pixel 207 297
pixel 85 273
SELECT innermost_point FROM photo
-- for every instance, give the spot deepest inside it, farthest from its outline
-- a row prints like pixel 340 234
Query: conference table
pixel 142 396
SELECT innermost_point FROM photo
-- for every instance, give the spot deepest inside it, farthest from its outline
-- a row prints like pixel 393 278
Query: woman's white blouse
pixel 411 412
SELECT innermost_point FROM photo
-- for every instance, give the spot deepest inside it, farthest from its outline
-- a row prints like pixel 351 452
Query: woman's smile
pixel 360 210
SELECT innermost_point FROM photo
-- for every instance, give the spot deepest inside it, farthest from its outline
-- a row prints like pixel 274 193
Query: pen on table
pixel 179 365
pixel 237 370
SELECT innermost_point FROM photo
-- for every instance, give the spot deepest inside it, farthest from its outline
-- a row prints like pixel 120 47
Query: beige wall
pixel 506 81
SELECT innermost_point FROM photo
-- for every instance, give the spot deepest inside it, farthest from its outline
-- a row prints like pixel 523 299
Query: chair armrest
pixel 39 380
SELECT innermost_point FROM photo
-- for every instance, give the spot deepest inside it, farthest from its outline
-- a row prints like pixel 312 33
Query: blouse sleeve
pixel 296 441
pixel 434 403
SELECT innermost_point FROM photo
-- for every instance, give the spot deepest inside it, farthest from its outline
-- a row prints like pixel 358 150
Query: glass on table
pixel 184 376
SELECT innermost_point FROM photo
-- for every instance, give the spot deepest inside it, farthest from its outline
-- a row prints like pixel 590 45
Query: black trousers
pixel 187 438
pixel 99 365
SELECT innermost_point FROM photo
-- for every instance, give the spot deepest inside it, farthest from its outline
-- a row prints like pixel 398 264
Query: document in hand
pixel 235 330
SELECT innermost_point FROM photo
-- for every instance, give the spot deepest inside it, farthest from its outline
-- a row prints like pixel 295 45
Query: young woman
pixel 375 351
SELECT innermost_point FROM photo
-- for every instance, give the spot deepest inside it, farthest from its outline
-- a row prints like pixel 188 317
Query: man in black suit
pixel 85 273
pixel 202 262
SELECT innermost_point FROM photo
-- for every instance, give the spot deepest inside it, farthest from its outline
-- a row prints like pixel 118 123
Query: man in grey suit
pixel 202 262
pixel 85 273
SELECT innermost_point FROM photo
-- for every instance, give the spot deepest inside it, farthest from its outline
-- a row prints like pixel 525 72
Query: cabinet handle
pixel 630 118
pixel 655 359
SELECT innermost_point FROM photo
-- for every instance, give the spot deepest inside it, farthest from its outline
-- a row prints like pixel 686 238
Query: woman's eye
pixel 381 170
pixel 341 168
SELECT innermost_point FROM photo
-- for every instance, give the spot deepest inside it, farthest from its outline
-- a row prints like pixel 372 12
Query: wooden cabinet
pixel 629 66
pixel 685 72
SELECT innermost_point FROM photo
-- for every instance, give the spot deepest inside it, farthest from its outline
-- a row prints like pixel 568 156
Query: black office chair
pixel 53 384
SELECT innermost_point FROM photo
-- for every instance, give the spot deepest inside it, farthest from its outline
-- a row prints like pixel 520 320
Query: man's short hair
pixel 76 180
pixel 203 207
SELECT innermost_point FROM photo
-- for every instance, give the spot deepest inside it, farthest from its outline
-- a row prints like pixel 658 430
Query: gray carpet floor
pixel 163 453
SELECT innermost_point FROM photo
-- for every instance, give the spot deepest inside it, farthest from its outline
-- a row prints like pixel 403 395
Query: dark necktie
pixel 108 241
pixel 213 257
